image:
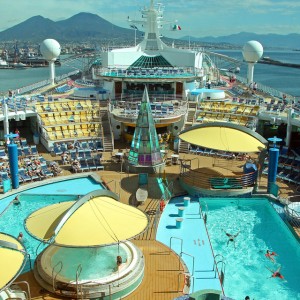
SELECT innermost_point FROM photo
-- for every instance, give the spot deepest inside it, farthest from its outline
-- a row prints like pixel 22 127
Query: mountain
pixel 87 26
pixel 81 27
pixel 289 41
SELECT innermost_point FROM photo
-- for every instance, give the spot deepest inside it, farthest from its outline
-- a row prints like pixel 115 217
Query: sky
pixel 197 18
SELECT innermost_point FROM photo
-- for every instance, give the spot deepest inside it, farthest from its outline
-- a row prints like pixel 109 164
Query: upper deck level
pixel 149 74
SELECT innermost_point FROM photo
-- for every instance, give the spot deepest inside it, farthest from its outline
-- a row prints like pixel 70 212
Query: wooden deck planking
pixel 161 265
pixel 161 273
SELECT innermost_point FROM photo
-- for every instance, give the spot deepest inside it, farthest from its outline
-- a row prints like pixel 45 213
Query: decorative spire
pixel 145 149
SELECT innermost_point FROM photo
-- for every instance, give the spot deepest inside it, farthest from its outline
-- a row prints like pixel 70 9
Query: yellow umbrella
pixel 95 220
pixel 12 259
pixel 224 137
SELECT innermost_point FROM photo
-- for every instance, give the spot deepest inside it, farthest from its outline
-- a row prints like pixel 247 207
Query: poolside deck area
pixel 161 279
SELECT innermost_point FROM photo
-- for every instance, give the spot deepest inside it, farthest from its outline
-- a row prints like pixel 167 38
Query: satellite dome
pixel 50 49
pixel 252 51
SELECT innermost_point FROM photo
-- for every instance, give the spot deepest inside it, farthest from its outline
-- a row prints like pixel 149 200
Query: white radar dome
pixel 252 51
pixel 50 49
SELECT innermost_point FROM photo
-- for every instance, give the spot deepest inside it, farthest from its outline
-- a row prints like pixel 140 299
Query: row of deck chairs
pixel 90 164
pixel 83 154
pixel 25 177
pixel 28 151
pixel 211 152
pixel 92 145
pixel 286 173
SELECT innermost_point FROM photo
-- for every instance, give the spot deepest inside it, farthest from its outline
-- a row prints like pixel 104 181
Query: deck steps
pixel 108 144
pixel 184 146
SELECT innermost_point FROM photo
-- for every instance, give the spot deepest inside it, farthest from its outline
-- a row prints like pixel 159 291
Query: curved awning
pixel 91 221
pixel 224 137
pixel 12 259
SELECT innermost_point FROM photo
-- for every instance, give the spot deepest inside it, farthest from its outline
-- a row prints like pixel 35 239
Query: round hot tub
pixel 93 263
pixel 91 272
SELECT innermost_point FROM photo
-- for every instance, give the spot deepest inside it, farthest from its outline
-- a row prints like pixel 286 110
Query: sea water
pixel 284 79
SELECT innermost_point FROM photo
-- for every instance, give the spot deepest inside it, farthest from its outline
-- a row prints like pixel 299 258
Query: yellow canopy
pixel 12 259
pixel 95 221
pixel 224 137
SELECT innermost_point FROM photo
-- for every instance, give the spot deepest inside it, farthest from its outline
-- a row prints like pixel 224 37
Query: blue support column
pixel 13 160
pixel 273 164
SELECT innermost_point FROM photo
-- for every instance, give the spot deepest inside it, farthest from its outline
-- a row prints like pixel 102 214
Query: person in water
pixel 270 255
pixel 276 273
pixel 231 237
pixel 16 201
pixel 119 260
pixel 20 237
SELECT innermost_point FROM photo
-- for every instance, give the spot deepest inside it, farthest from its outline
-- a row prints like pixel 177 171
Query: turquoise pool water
pixel 246 265
pixel 12 217
pixel 95 262
pixel 246 271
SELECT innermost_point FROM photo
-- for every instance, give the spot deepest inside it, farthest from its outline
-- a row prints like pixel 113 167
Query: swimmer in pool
pixel 231 237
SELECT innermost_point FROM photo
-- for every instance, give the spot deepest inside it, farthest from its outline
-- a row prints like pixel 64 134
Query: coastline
pixel 270 61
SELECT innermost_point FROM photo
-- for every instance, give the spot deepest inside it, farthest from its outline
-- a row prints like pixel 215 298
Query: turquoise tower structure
pixel 144 155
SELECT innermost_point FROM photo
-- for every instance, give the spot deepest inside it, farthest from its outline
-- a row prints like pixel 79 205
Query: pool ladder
pixel 59 264
pixel 78 272
pixel 201 213
pixel 191 274
pixel 222 270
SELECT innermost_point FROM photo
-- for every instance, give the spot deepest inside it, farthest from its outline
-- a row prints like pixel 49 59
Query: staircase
pixel 107 135
pixel 192 108
pixel 184 146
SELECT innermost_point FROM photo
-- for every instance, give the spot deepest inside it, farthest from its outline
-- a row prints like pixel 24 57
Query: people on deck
pixel 270 255
pixel 208 84
pixel 76 165
pixel 64 158
pixel 18 133
pixel 231 237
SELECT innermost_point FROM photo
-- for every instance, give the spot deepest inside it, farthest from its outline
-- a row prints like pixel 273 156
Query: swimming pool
pixel 103 257
pixel 246 271
pixel 246 265
pixel 12 218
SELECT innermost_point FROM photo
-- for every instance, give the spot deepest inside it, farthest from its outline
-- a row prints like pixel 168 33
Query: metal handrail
pixel 215 267
pixel 193 268
pixel 78 272
pixel 222 271
pixel 200 208
pixel 29 258
pixel 196 177
pixel 36 251
pixel 181 245
pixel 222 257
pixel 27 286
pixel 54 277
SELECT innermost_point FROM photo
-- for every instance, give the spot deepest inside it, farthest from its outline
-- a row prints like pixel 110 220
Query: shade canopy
pixel 92 221
pixel 224 137
pixel 12 259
